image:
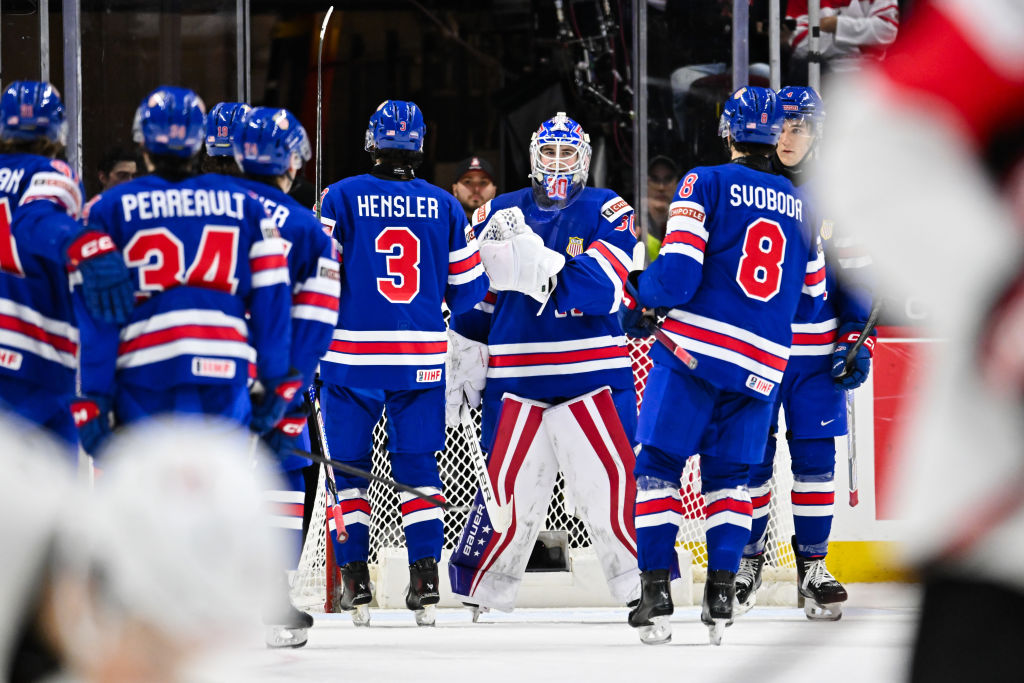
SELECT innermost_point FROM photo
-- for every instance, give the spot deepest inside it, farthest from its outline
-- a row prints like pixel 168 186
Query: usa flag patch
pixel 575 247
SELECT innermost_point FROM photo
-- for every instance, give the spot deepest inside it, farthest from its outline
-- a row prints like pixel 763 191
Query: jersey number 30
pixel 764 250
pixel 403 264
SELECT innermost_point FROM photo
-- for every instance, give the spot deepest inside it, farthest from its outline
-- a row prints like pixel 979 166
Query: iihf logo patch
pixel 575 247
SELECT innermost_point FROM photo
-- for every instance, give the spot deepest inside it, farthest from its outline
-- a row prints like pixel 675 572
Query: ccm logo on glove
pixel 89 245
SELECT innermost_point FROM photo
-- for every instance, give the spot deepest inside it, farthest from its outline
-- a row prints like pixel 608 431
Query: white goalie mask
pixel 559 162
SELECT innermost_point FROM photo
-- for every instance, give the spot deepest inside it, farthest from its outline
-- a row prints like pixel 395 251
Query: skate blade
pixel 816 611
pixel 658 632
pixel 476 610
pixel 360 615
pixel 426 616
pixel 716 630
pixel 741 608
pixel 280 636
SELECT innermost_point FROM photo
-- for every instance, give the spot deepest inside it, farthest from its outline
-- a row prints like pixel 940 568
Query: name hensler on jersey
pixel 187 202
pixel 766 198
pixel 398 206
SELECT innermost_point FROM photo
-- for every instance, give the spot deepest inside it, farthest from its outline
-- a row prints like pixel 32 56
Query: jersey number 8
pixel 764 250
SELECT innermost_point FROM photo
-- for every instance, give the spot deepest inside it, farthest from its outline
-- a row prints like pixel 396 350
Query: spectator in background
pixel 662 176
pixel 474 183
pixel 850 30
pixel 119 164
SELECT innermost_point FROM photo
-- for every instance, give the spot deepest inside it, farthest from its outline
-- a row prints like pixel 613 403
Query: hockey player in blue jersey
pixel 202 254
pixel 548 353
pixel 222 122
pixel 736 262
pixel 43 250
pixel 406 247
pixel 814 400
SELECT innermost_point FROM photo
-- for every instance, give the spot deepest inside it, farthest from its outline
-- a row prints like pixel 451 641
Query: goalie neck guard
pixel 559 162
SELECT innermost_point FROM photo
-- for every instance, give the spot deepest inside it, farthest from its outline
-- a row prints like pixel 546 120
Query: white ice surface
pixel 870 643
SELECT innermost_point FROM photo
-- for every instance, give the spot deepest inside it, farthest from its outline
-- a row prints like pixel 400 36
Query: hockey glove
pixel 106 283
pixel 94 420
pixel 271 400
pixel 283 439
pixel 853 376
pixel 637 322
pixel 465 373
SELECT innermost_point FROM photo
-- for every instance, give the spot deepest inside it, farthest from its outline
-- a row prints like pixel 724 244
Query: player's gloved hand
pixel 283 439
pixel 465 374
pixel 106 283
pixel 858 370
pixel 270 400
pixel 94 419
pixel 515 257
pixel 637 322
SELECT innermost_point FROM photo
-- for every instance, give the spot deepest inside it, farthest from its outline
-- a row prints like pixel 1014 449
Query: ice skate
pixel 820 595
pixel 650 614
pixel 288 629
pixel 422 593
pixel 719 594
pixel 357 592
pixel 748 580
pixel 476 610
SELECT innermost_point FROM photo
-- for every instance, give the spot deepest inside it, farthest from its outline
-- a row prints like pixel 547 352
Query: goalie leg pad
pixel 597 461
pixel 486 567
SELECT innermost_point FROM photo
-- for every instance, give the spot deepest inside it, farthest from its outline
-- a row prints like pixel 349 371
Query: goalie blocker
pixel 583 438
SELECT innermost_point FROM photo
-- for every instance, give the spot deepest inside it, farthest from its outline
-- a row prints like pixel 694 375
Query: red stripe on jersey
pixel 814 278
pixel 355 505
pixel 177 332
pixel 814 338
pixel 58 342
pixel 798 38
pixel 726 342
pixel 650 507
pixel 683 237
pixel 761 501
pixel 268 262
pixel 888 20
pixel 743 507
pixel 491 297
pixel 558 358
pixel 604 251
pixel 472 261
pixel 813 498
pixel 389 347
pixel 417 504
pixel 287 509
pixel 315 299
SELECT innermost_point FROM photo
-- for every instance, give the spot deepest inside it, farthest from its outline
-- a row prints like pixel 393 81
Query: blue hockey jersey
pixel 314 273
pixel 38 331
pixel 575 344
pixel 405 248
pixel 737 262
pixel 202 253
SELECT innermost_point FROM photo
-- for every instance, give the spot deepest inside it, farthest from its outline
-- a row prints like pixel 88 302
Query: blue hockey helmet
pixel 171 121
pixel 396 125
pixel 751 114
pixel 270 141
pixel 559 162
pixel 30 110
pixel 220 122
pixel 798 102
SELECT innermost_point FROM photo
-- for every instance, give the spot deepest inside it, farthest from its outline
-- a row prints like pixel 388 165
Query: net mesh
pixel 310 584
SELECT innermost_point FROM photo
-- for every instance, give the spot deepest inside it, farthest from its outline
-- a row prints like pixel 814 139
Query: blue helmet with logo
pixel 219 124
pixel 559 162
pixel 799 102
pixel 30 110
pixel 270 141
pixel 751 114
pixel 170 121
pixel 396 125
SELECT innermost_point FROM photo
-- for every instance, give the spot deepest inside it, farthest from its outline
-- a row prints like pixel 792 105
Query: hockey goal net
pixel 317 570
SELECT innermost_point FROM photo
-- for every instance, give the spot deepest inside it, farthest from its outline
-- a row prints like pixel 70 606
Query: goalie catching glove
pixel 465 368
pixel 515 257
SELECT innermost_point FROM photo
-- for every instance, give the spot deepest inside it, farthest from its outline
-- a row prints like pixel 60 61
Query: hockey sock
pixel 355 506
pixel 814 493
pixel 728 511
pixel 760 499
pixel 658 512
pixel 423 523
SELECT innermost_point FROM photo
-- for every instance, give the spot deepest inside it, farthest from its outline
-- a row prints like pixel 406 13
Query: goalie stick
pixel 851 418
pixel 316 429
pixel 319 107
pixel 501 515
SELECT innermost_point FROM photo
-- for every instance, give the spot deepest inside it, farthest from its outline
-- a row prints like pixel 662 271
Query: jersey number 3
pixel 403 264
pixel 764 250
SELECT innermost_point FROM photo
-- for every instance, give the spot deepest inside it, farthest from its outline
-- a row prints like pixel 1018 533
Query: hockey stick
pixel 677 350
pixel 851 418
pixel 319 107
pixel 355 471
pixel 316 428
pixel 501 515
